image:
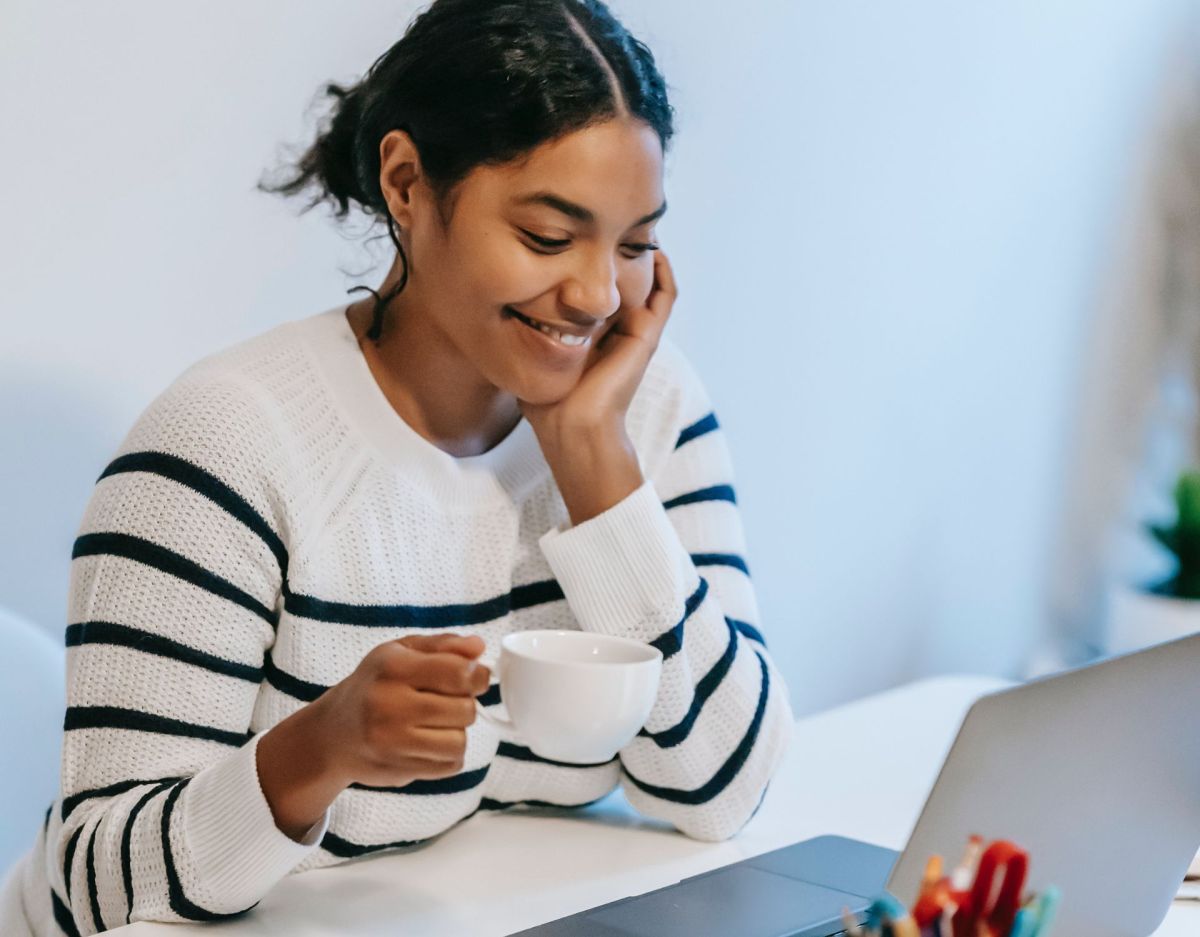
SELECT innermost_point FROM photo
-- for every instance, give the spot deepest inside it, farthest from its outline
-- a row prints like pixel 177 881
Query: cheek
pixel 510 274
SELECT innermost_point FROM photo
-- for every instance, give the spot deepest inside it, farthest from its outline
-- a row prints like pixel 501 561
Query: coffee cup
pixel 574 696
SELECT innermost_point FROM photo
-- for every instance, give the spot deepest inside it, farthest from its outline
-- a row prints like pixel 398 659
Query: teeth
pixel 557 335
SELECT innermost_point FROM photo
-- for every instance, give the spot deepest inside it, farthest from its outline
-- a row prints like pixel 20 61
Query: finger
pixel 443 745
pixel 412 769
pixel 662 297
pixel 464 645
pixel 446 673
pixel 420 769
pixel 438 711
pixel 482 676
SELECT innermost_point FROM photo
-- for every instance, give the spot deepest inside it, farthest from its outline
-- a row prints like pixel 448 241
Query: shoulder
pixel 671 400
pixel 677 372
pixel 225 408
pixel 672 386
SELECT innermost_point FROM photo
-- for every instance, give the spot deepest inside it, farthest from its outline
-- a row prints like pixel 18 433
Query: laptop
pixel 1095 771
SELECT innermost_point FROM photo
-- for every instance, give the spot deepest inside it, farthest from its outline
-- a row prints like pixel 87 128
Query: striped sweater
pixel 267 521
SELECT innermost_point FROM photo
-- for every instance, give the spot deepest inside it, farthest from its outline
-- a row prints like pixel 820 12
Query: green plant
pixel 1182 540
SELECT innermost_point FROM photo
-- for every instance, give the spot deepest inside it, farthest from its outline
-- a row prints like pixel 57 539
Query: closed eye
pixel 639 248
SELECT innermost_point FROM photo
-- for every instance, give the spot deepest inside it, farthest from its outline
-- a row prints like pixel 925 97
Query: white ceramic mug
pixel 574 696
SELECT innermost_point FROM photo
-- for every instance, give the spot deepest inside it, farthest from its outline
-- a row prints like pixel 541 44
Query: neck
pixel 426 379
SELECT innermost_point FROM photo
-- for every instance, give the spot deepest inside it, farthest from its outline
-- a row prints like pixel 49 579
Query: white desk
pixel 497 873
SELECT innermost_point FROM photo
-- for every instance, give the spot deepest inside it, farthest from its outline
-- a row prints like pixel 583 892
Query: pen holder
pixel 984 894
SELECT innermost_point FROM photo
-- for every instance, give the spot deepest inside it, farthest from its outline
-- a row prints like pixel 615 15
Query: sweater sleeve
pixel 175 581
pixel 673 573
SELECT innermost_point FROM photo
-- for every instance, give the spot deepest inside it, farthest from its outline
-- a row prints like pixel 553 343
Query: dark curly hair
pixel 477 82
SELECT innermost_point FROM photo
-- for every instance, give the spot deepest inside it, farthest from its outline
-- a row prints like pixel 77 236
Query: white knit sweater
pixel 268 520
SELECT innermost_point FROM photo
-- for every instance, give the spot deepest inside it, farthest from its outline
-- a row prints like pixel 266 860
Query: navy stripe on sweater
pixel 62 915
pixel 151 554
pixel 116 717
pixel 180 903
pixel 308 691
pixel 127 842
pixel 69 859
pixel 728 771
pixel 106 632
pixel 705 424
pixel 458 615
pixel 749 631
pixel 344 849
pixel 293 686
pixel 93 899
pixel 520 753
pixel 455 784
pixel 208 485
pixel 424 616
pixel 715 493
pixel 668 738
pixel 721 559
pixel 120 787
pixel 670 642
pixel 489 804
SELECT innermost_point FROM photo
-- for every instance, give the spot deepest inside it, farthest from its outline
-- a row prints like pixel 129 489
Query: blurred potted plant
pixel 1169 608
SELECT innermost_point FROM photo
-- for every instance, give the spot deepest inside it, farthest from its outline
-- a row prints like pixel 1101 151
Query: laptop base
pixel 796 891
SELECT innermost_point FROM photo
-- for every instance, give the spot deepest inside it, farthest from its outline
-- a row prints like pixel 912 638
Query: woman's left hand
pixel 583 435
pixel 614 368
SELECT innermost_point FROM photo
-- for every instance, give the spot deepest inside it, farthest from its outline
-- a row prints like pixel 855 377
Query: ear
pixel 399 170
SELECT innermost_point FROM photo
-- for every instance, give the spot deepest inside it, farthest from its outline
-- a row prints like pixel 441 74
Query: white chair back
pixel 32 705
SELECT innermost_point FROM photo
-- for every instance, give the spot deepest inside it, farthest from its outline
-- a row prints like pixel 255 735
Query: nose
pixel 592 290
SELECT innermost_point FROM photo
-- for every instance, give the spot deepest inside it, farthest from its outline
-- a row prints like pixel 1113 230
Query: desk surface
pixel 563 862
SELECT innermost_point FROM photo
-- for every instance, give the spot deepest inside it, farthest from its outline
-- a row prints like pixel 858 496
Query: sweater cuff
pixel 624 572
pixel 237 850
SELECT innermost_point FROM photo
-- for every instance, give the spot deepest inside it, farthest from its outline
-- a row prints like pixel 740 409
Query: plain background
pixel 901 233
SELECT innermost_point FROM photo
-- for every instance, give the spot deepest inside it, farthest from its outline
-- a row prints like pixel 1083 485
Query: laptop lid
pixel 1095 771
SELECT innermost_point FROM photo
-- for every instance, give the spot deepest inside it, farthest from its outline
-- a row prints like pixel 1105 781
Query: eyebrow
pixel 571 209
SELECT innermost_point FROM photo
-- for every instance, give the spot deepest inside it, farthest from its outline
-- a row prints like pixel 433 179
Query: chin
pixel 545 389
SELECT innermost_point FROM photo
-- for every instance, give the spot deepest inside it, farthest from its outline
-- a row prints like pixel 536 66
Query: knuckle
pixel 468 712
pixel 390 659
pixel 466 676
pixel 454 674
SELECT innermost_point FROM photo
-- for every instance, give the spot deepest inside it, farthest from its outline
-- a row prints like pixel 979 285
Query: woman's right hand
pixel 403 713
pixel 401 716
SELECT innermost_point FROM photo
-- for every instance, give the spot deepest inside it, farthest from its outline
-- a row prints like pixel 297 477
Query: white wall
pixel 887 221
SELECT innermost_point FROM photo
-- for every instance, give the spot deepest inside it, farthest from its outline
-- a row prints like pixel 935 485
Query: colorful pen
pixel 964 873
pixel 1047 908
pixel 1025 923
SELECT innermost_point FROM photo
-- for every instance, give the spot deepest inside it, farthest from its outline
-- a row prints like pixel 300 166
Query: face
pixel 558 237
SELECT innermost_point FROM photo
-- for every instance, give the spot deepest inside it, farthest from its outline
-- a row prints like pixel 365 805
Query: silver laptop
pixel 1094 771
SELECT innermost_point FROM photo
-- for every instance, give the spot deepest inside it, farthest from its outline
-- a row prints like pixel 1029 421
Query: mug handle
pixel 499 721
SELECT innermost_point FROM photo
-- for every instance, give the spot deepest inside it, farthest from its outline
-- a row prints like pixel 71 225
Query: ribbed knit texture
pixel 267 521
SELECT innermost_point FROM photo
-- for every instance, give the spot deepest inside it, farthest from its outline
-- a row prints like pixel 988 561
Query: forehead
pixel 614 169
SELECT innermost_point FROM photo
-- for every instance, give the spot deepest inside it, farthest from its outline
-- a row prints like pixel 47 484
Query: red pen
pixel 934 894
pixel 978 915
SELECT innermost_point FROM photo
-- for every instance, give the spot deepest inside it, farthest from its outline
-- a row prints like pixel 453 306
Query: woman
pixel 287 580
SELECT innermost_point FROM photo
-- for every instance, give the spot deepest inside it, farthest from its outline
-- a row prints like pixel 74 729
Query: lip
pixel 548 349
pixel 558 326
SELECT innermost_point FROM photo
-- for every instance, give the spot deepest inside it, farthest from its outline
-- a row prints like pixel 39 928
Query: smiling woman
pixel 292 579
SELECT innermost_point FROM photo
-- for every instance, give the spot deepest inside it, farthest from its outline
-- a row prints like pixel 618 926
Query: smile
pixel 571 341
